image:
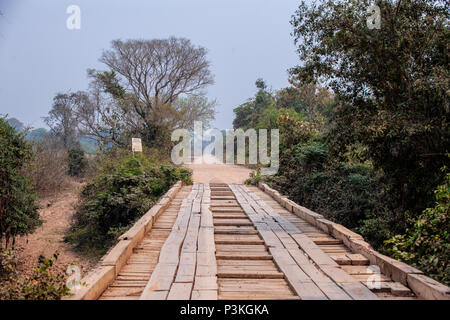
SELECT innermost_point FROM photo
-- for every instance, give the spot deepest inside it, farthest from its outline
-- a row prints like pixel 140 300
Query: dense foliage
pixel 427 243
pixel 18 207
pixel 118 196
pixel 77 161
pixel 348 192
pixel 368 152
pixel 391 84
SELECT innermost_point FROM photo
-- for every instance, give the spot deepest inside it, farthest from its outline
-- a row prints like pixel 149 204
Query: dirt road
pixel 56 212
pixel 203 172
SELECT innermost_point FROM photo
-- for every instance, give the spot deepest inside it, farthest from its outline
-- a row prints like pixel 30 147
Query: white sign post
pixel 136 145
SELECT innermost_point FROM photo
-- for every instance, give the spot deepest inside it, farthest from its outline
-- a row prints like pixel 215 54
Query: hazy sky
pixel 39 56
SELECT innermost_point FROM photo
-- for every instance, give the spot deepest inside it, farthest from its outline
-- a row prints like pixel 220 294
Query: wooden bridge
pixel 230 241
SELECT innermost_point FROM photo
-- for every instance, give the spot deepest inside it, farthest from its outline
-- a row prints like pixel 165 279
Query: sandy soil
pixel 203 172
pixel 56 212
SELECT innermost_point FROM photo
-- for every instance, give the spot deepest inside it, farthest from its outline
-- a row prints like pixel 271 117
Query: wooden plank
pixel 180 291
pixel 204 295
pixel 190 241
pixel 205 283
pixel 358 259
pixel 251 274
pixel 206 270
pixel 246 242
pixel 206 217
pixel 243 256
pixel 351 286
pixel 398 289
pixel 127 292
pixel 299 281
pixel 331 290
pixel 185 273
pixel 240 231
pixel 206 240
pixel 355 270
pixel 164 274
pixel 244 263
pixel 232 222
pixel 206 258
pixel 313 251
pixel 341 260
pixel 368 277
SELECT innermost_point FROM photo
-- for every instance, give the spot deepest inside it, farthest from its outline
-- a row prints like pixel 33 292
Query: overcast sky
pixel 39 56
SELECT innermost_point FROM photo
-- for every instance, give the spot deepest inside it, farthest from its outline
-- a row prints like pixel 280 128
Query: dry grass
pixel 48 170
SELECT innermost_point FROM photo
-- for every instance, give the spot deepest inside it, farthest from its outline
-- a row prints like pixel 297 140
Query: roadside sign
pixel 136 144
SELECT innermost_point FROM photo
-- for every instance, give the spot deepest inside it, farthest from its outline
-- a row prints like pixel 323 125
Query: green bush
pixel 347 192
pixel 255 178
pixel 18 208
pixel 77 162
pixel 116 198
pixel 426 244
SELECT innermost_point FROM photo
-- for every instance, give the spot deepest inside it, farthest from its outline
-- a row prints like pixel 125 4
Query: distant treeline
pixel 87 144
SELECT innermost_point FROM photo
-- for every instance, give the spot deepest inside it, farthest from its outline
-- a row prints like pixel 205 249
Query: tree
pixel 18 207
pixel 313 100
pixel 193 108
pixel 146 91
pixel 391 85
pixel 249 113
pixel 62 119
pixel 159 71
pixel 77 162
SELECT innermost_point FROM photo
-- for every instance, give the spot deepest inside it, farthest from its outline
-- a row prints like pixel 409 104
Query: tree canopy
pixel 151 88
pixel 391 84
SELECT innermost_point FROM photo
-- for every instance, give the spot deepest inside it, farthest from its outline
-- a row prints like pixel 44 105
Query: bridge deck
pixel 223 241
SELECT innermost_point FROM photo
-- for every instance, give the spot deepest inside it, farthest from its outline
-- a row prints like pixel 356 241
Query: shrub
pixel 46 283
pixel 343 192
pixel 255 178
pixel 77 162
pixel 18 209
pixel 426 244
pixel 121 193
pixel 347 192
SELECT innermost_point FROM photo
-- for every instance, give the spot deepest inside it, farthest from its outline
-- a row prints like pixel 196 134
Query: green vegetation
pixel 18 207
pixel 426 244
pixel 118 196
pixel 77 162
pixel 364 124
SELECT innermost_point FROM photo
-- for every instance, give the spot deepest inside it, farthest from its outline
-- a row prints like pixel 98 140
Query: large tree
pixel 63 120
pixel 159 71
pixel 391 84
pixel 152 87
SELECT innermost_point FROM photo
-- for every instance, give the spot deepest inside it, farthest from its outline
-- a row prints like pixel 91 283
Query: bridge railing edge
pixel 424 287
pixel 109 266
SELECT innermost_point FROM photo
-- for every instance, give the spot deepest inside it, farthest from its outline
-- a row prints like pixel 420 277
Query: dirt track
pixel 218 173
pixel 56 213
